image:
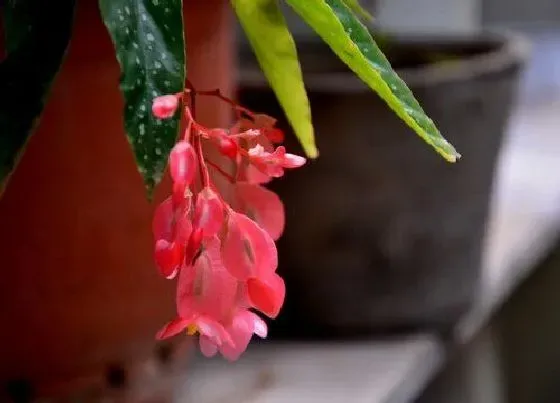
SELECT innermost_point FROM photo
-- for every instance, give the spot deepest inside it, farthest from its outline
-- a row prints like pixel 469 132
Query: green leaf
pixel 356 8
pixel 149 41
pixel 353 44
pixel 37 33
pixel 276 53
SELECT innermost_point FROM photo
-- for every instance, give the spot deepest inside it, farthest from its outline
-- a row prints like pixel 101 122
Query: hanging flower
pixel 222 251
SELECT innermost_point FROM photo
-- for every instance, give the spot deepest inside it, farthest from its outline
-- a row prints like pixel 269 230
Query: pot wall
pixel 382 234
pixel 79 290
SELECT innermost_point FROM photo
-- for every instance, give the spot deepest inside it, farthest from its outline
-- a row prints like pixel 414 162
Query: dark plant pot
pixel 382 234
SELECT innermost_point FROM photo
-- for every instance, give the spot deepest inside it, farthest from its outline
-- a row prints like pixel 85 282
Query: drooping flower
pixel 222 250
pixel 182 163
pixel 273 164
pixel 165 106
pixel 172 229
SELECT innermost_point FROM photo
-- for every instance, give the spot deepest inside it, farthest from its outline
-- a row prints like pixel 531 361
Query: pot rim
pixel 509 50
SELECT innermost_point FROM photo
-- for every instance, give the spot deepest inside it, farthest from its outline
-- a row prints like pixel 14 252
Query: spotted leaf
pixel 36 36
pixel 149 41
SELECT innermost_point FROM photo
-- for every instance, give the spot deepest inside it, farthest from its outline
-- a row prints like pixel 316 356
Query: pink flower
pixel 241 328
pixel 209 212
pixel 169 257
pixel 172 230
pixel 273 164
pixel 207 288
pixel 182 163
pixel 208 328
pixel 263 206
pixel 267 293
pixel 223 255
pixel 211 301
pixel 249 254
pixel 248 250
pixel 165 106
pixel 264 124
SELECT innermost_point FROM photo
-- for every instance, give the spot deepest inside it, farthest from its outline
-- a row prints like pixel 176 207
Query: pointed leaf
pixel 352 42
pixel 356 8
pixel 37 35
pixel 150 47
pixel 276 53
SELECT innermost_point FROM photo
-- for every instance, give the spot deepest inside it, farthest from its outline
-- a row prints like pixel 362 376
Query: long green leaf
pixel 276 53
pixel 356 8
pixel 37 33
pixel 351 41
pixel 149 41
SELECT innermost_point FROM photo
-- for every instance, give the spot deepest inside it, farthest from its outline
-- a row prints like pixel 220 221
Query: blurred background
pixel 384 240
pixel 409 279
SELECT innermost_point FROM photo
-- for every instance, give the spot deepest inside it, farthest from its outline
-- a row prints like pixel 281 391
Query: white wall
pixel 429 16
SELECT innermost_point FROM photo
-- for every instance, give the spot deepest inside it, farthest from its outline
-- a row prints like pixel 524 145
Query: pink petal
pixel 172 328
pixel 261 244
pixel 267 294
pixel 274 134
pixel 214 330
pixel 248 250
pixel 207 347
pixel 228 147
pixel 241 331
pixel 206 288
pixel 181 195
pixel 171 224
pixel 183 229
pixel 209 212
pixel 256 176
pixel 264 121
pixel 182 163
pixel 168 256
pixel 249 134
pixel 193 245
pixel 293 161
pixel 234 253
pixel 259 326
pixel 162 224
pixel 264 206
pixel 165 106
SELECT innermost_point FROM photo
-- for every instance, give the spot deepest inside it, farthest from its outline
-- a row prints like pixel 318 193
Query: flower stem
pixel 221 171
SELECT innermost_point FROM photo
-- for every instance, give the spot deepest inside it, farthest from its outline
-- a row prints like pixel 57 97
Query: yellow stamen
pixel 192 329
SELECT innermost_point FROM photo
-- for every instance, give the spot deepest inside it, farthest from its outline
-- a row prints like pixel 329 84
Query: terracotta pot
pixel 382 234
pixel 79 290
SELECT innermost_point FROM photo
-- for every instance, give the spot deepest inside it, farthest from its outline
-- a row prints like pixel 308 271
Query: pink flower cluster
pixel 223 253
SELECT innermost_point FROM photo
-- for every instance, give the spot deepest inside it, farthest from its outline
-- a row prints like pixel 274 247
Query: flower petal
pixel 207 346
pixel 259 326
pixel 267 294
pixel 241 331
pixel 234 253
pixel 264 206
pixel 207 288
pixel 214 331
pixel 209 213
pixel 168 257
pixel 162 224
pixel 261 244
pixel 256 176
pixel 182 163
pixel 293 161
pixel 172 328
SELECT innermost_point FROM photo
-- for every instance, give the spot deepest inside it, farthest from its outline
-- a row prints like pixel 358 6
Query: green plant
pixel 222 251
pixel 149 44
